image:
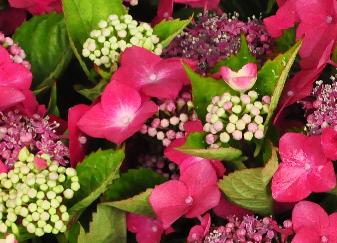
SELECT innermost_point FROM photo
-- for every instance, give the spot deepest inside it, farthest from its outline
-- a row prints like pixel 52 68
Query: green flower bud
pixel 35 216
pixel 24 212
pixel 39 232
pixel 59 224
pixel 3 227
pixel 52 211
pixel 75 186
pixel 68 193
pixel 40 194
pixel 32 207
pixel 23 154
pixel 11 217
pixel 51 195
pixel 31 228
pixel 41 223
pixel 47 228
pixel 54 218
pixel 44 216
pixel 63 208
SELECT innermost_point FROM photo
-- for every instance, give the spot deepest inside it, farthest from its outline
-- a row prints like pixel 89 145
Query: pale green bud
pixel 12 217
pixel 52 211
pixel 32 207
pixel 44 187
pixel 68 193
pixel 63 208
pixel 75 186
pixel 24 212
pixel 235 99
pixel 240 125
pixel 39 232
pixel 44 216
pixel 51 184
pixel 248 136
pixel 45 205
pixel 3 228
pixel 32 193
pixel 237 109
pixel 233 118
pixel 31 228
pixel 224 137
pixel 51 195
pixel 59 224
pixel 35 216
pixel 230 128
pixel 62 178
pixel 54 218
pixel 65 216
pixel 41 223
pixel 23 154
pixel 47 228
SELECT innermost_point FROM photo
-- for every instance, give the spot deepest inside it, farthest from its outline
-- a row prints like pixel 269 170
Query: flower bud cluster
pixel 168 123
pixel 245 229
pixel 36 132
pixel 33 195
pixel 16 53
pixel 233 117
pixel 115 35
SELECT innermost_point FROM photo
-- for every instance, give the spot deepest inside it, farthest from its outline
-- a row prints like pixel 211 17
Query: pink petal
pixel 193 126
pixel 164 11
pixel 76 149
pixel 322 178
pixel 3 168
pixel 329 142
pixel 332 233
pixel 37 7
pixel 30 106
pixel 15 75
pixel 118 98
pixel 289 184
pixel 226 209
pixel 147 230
pixel 201 181
pixel 196 234
pixel 219 168
pixel 10 19
pixel 307 235
pixel 10 96
pixel 174 155
pixel 285 18
pixel 242 80
pixel 168 201
pixel 309 214
pixel 4 56
pixel 40 163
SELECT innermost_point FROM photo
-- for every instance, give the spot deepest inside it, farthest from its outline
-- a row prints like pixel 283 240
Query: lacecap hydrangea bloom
pixel 34 193
pixel 36 132
pixel 235 117
pixel 115 35
pixel 212 38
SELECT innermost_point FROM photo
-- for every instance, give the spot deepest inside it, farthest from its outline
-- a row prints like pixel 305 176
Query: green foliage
pixel 108 225
pixel 95 174
pixel 204 89
pixel 237 61
pixel 195 145
pixel 287 40
pixel 82 17
pixel 131 183
pixel 45 41
pixel 52 106
pixel 167 30
pixel 138 204
pixel 249 188
pixel 92 93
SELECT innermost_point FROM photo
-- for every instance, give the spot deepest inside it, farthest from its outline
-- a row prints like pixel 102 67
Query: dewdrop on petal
pixel 33 196
pixel 240 118
pixel 114 35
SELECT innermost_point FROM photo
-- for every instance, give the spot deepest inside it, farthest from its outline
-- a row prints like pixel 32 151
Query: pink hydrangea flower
pixel 312 224
pixel 120 114
pixel 329 142
pixel 304 169
pixel 10 19
pixel 198 232
pixel 37 7
pixel 15 81
pixel 77 139
pixel 193 194
pixel 242 80
pixel 3 168
pixel 317 25
pixel 152 75
pixel 147 230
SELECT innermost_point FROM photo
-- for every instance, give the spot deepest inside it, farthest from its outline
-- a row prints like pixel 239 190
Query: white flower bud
pixel 68 193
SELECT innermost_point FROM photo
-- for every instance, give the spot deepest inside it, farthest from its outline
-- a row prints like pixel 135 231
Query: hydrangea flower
pixel 115 35
pixel 120 114
pixel 152 75
pixel 212 38
pixel 193 194
pixel 304 169
pixel 33 194
pixel 37 7
pixel 329 142
pixel 233 117
pixel 37 132
pixel 198 232
pixel 243 229
pixel 312 224
pixel 168 123
pixel 324 112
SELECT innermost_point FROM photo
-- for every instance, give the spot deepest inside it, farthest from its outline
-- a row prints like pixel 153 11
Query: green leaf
pixel 94 92
pixel 108 225
pixel 249 188
pixel 45 41
pixel 82 16
pixel 204 89
pixel 287 40
pixel 138 204
pixel 167 30
pixel 95 174
pixel 237 61
pixel 133 182
pixel 52 106
pixel 273 76
pixel 195 145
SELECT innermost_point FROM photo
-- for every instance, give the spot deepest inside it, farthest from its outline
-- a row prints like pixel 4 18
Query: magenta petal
pixel 10 19
pixel 168 201
pixel 201 181
pixel 309 214
pixel 3 168
pixel 76 149
pixel 332 232
pixel 164 11
pixel 193 126
pixel 10 96
pixel 329 143
pixel 322 178
pixel 147 230
pixel 4 56
pixel 196 234
pixel 174 155
pixel 289 184
pixel 137 56
pixel 307 235
pixel 15 75
pixel 225 209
